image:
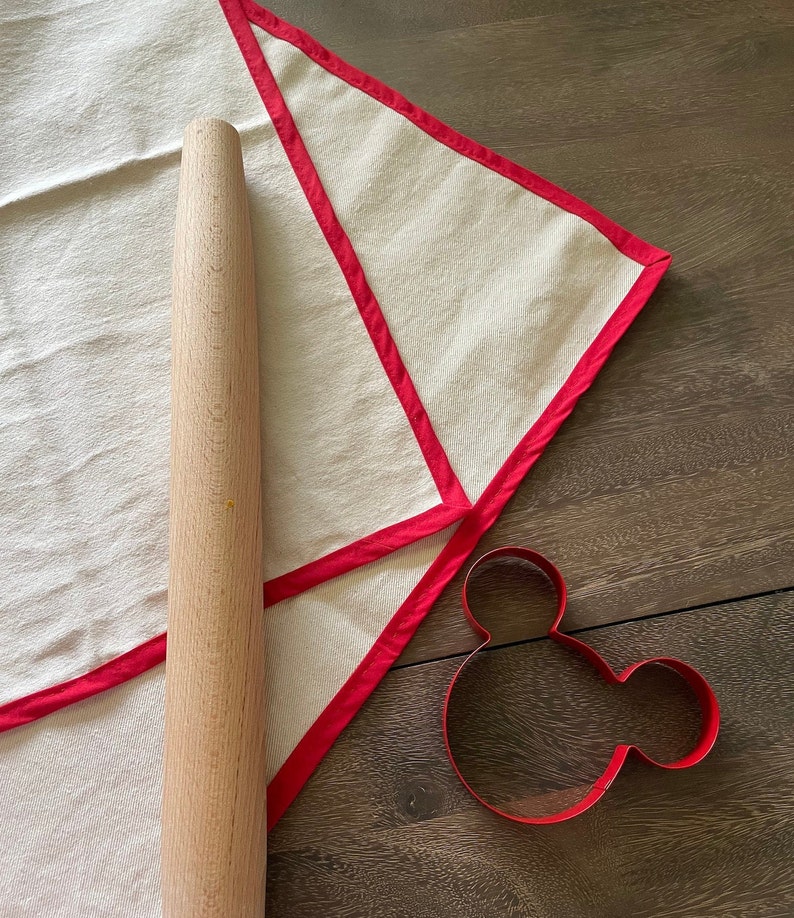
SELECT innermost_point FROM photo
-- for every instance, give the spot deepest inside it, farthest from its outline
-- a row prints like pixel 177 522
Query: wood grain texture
pixel 384 828
pixel 214 826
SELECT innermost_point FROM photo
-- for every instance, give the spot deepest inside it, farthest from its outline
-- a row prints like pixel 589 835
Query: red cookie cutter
pixel 710 720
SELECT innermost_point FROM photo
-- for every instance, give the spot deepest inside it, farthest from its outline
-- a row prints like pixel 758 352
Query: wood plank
pixel 356 25
pixel 566 68
pixel 383 828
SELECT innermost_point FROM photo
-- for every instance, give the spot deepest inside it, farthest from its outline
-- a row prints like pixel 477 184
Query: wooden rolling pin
pixel 214 810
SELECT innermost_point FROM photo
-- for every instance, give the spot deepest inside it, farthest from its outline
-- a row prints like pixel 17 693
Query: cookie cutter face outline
pixel 709 708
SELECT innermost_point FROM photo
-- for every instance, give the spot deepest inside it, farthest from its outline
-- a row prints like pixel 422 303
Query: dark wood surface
pixel 383 828
pixel 667 498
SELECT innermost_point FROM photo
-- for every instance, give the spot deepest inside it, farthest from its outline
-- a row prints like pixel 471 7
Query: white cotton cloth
pixel 80 823
pixel 512 289
pixel 491 293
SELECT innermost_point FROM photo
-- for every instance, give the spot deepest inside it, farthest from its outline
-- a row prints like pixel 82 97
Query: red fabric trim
pixel 108 675
pixel 391 642
pixel 362 552
pixel 316 742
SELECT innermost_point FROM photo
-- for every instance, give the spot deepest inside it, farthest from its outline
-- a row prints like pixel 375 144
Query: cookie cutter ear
pixel 709 708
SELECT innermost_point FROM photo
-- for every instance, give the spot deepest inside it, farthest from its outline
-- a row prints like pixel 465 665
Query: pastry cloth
pixel 429 311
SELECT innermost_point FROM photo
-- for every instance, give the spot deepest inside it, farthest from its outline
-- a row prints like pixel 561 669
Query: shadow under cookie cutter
pixel 710 712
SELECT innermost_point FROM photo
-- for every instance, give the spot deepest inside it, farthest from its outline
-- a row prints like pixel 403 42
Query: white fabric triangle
pixel 492 294
pixel 431 312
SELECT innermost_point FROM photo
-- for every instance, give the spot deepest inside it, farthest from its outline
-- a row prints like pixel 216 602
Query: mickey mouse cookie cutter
pixel 710 712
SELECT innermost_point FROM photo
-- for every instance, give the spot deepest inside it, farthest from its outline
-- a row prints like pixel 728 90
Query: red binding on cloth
pixel 364 551
pixel 115 672
pixel 710 723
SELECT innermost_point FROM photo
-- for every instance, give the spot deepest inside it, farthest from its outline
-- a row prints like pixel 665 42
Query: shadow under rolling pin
pixel 214 787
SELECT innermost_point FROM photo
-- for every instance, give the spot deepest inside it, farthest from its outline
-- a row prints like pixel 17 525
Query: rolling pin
pixel 214 786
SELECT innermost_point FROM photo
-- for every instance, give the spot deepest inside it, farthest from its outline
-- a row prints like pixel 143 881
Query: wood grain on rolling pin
pixel 213 854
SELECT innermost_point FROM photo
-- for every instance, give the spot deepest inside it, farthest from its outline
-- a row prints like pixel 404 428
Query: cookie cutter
pixel 710 712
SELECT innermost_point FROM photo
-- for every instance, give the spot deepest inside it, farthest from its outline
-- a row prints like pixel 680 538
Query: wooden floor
pixel 667 498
